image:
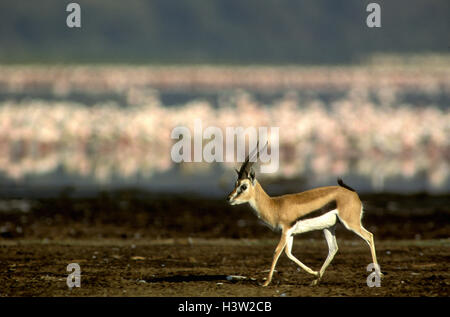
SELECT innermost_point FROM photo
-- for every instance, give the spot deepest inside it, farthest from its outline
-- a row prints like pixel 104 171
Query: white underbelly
pixel 319 223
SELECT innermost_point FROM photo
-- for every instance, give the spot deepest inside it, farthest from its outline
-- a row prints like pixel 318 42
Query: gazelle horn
pixel 248 163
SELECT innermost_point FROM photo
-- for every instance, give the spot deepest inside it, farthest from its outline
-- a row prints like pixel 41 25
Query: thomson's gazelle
pixel 315 209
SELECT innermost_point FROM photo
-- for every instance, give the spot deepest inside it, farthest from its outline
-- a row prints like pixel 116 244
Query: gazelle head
pixel 244 187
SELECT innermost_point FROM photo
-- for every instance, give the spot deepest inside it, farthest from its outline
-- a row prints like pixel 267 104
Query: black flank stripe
pixel 317 213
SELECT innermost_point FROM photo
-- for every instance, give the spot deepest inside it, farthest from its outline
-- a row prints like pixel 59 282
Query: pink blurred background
pixel 381 127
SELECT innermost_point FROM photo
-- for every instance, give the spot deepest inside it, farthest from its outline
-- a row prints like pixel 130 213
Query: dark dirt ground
pixel 131 243
pixel 200 268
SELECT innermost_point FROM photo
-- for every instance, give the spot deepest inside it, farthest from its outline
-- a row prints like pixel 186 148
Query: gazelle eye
pixel 244 187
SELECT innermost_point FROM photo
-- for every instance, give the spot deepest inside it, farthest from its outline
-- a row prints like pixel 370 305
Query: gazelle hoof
pixel 315 282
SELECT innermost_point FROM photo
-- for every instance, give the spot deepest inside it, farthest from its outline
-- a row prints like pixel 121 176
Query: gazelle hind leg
pixel 330 237
pixel 366 236
pixel 288 251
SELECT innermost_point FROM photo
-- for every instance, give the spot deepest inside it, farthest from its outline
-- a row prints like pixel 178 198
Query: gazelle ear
pixel 251 176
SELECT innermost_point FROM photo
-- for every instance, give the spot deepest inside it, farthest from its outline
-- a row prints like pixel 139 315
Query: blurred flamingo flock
pixel 109 123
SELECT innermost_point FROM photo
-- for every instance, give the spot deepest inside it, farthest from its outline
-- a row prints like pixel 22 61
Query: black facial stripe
pixel 239 191
pixel 317 212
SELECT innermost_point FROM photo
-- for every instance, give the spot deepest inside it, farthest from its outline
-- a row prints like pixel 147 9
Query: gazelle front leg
pixel 276 255
pixel 288 251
